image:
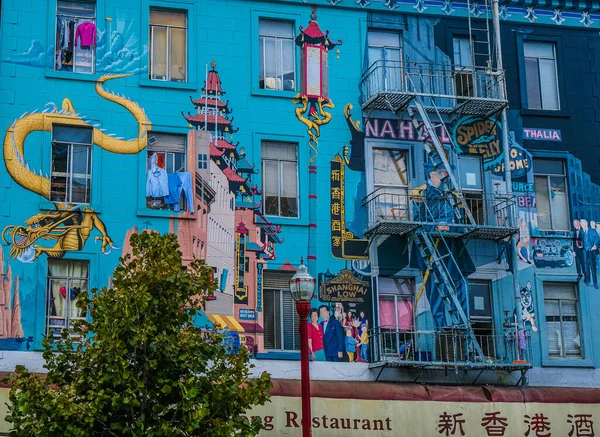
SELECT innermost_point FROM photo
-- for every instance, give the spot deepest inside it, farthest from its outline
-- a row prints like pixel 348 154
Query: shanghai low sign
pixel 344 287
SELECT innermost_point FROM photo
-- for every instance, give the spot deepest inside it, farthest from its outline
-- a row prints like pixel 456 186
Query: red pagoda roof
pixel 287 267
pixel 210 102
pixel 313 30
pixel 214 151
pixel 224 144
pixel 232 176
pixel 213 82
pixel 201 118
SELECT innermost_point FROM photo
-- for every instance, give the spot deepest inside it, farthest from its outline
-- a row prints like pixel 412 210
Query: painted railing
pixel 449 348
pixel 443 81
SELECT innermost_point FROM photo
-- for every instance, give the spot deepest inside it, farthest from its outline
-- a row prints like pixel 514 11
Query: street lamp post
pixel 302 287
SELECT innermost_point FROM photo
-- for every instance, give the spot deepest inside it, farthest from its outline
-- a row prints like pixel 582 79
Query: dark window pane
pixel 548 166
pixel 68 134
pixel 532 78
pixel 542 202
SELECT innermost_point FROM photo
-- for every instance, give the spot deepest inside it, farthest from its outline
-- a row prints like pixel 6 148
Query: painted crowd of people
pixel 341 336
pixel 586 246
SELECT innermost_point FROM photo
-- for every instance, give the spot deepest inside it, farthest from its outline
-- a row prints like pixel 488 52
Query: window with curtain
pixel 280 178
pixel 541 77
pixel 66 280
pixel 165 156
pixel 390 181
pixel 71 167
pixel 385 51
pixel 396 313
pixel 470 172
pixel 281 322
pixel 562 320
pixel 75 48
pixel 168 45
pixel 277 55
pixel 551 194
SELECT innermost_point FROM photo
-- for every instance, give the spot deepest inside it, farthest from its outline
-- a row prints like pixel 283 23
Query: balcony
pixel 392 211
pixel 391 85
pixel 449 349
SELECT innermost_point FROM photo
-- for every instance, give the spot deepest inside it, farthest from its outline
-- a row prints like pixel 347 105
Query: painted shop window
pixel 541 76
pixel 562 320
pixel 385 51
pixel 481 309
pixel 66 279
pixel 463 67
pixel 165 156
pixel 471 181
pixel 280 319
pixel 168 45
pixel 71 173
pixel 551 194
pixel 277 55
pixel 75 36
pixel 280 178
pixel 390 173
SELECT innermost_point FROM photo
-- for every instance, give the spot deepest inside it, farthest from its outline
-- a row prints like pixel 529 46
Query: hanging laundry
pixel 85 34
pixel 161 161
pixel 178 182
pixel 157 184
pixel 186 184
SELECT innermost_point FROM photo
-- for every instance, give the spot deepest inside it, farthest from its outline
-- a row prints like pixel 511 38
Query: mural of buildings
pixel 364 136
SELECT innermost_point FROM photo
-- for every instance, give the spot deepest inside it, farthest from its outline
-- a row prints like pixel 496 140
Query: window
pixel 166 155
pixel 551 194
pixel 66 279
pixel 75 36
pixel 541 76
pixel 471 181
pixel 277 55
pixel 280 318
pixel 71 174
pixel 463 67
pixel 396 315
pixel 390 174
pixel 482 322
pixel 562 321
pixel 385 51
pixel 280 178
pixel 168 45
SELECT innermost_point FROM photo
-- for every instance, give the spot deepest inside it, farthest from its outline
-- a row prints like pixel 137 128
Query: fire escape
pixel 433 96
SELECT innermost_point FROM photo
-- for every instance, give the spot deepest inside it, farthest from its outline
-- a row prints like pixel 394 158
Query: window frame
pixel 192 58
pixel 279 328
pixel 49 279
pixel 560 71
pixel 92 48
pixel 548 176
pixel 400 190
pixel 280 178
pixel 398 296
pixel 474 195
pixel 297 20
pixel 69 174
pixel 539 77
pixel 563 354
pixel 261 51
pixel 168 29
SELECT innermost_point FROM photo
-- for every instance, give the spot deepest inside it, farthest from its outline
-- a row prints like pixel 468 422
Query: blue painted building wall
pixel 227 32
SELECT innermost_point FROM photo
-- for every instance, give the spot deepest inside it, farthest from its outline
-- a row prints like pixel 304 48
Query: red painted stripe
pixel 309 257
pixel 312 225
pixel 312 196
pixel 412 392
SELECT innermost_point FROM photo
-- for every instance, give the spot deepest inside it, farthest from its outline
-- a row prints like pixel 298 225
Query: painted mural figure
pixel 579 252
pixel 436 208
pixel 590 246
pixel 333 336
pixel 527 310
pixel 523 243
pixel 315 337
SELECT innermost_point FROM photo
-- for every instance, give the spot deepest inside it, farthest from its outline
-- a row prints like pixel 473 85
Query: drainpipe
pixel 507 174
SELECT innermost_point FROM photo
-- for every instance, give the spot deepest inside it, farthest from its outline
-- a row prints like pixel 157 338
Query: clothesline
pixel 76 17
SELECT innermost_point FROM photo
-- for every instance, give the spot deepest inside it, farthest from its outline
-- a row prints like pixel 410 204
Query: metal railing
pixel 450 348
pixel 404 205
pixel 434 80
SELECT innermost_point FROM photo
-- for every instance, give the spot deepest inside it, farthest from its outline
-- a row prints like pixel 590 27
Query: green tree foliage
pixel 140 367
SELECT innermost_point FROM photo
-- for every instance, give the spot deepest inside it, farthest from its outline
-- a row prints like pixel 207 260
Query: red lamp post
pixel 302 287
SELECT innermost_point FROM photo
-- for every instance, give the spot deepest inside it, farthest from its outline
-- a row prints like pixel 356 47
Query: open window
pixel 166 155
pixel 75 36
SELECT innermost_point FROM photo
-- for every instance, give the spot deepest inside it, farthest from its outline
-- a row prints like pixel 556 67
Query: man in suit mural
pixel 333 335
pixel 579 252
pixel 590 246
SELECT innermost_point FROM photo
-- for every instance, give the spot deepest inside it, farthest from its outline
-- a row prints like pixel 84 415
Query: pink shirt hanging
pixel 85 34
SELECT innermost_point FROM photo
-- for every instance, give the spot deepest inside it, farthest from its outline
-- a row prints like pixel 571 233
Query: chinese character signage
pixel 344 244
pixel 259 287
pixel 241 290
pixel 536 134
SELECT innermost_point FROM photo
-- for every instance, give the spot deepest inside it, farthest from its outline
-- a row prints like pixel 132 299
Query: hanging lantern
pixel 314 46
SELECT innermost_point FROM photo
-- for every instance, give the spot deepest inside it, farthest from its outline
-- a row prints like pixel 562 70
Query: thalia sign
pixel 533 133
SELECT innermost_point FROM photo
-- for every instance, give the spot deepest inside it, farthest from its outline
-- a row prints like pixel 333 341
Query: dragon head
pixel 47 226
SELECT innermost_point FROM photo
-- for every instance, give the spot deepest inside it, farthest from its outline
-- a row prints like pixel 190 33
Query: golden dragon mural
pixel 69 225
pixel 313 121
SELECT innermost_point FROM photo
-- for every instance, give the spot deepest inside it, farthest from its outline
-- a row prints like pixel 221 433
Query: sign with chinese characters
pixel 344 287
pixel 537 134
pixel 259 287
pixel 391 129
pixel 390 418
pixel 478 136
pixel 246 314
pixel 241 290
pixel 344 244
